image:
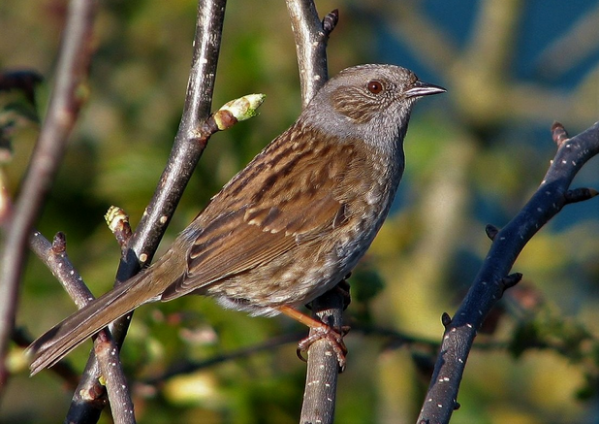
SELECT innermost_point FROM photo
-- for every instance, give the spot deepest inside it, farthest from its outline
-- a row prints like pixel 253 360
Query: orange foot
pixel 321 331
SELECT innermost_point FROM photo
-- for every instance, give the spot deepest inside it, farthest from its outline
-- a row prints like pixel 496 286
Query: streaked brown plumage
pixel 290 225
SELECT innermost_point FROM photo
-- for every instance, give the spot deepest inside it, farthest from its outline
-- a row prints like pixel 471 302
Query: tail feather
pixel 61 339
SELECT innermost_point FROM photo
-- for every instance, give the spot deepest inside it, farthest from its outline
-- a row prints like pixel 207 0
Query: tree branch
pixel 492 279
pixel 187 149
pixel 66 101
pixel 311 36
pixel 54 256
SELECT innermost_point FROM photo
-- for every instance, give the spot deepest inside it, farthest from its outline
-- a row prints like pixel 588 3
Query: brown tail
pixel 61 339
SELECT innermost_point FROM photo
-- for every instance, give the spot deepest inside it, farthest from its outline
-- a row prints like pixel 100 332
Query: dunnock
pixel 290 225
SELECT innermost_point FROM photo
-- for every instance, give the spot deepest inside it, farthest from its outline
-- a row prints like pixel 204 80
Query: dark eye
pixel 375 87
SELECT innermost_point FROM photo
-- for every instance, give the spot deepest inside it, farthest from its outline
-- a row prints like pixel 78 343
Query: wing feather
pixel 259 216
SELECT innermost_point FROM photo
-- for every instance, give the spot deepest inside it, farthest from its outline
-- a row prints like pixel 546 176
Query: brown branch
pixel 54 255
pixel 189 144
pixel 55 258
pixel 105 347
pixel 492 280
pixel 65 104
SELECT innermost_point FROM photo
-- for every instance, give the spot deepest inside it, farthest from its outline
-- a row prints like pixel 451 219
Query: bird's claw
pixel 333 336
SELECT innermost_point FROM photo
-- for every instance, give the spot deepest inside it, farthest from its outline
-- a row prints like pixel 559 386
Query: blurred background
pixel 474 156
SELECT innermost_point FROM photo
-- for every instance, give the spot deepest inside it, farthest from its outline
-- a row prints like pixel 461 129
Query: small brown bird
pixel 290 225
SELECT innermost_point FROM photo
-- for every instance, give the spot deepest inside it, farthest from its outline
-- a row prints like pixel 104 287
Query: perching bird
pixel 289 226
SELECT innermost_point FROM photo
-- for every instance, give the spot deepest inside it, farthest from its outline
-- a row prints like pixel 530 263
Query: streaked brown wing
pixel 262 215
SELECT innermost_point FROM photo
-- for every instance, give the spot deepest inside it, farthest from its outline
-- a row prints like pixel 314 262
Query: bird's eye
pixel 375 87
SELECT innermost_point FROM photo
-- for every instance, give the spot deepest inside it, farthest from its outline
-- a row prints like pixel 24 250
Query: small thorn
pixel 491 231
pixel 300 354
pixel 559 134
pixel 511 281
pixel 330 21
pixel 456 405
pixel 446 319
pixel 580 194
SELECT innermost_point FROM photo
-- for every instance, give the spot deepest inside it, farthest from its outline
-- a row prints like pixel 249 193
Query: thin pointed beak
pixel 420 89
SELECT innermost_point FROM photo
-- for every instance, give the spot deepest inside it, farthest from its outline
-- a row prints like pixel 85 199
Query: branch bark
pixel 492 279
pixel 187 149
pixel 311 36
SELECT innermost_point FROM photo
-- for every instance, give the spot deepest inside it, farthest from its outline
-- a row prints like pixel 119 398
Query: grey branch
pixel 311 35
pixel 187 149
pixel 493 277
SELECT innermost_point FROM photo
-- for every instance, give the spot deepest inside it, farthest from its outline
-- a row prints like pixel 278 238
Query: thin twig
pixel 118 223
pixel 491 280
pixel 187 367
pixel 187 149
pixel 65 104
pixel 54 256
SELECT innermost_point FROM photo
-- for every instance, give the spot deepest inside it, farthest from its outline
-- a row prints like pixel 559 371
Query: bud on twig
pixel 118 222
pixel 238 110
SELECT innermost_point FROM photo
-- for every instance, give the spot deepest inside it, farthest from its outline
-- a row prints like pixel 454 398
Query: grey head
pixel 369 102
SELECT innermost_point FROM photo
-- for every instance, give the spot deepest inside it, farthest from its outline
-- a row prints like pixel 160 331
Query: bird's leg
pixel 342 288
pixel 321 331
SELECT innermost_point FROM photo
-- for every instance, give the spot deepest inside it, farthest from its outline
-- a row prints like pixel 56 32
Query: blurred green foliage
pixel 473 157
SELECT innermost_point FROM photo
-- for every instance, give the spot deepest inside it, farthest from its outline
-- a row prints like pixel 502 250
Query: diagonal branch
pixel 491 281
pixel 187 149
